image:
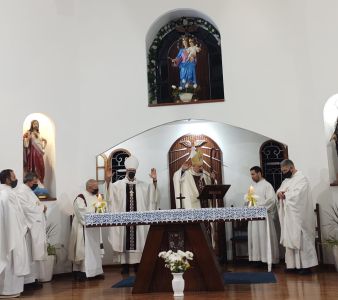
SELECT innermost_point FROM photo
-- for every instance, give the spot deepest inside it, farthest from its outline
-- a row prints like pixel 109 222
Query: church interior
pixel 104 80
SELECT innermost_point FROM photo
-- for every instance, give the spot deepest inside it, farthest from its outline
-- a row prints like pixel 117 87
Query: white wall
pixel 240 152
pixel 83 63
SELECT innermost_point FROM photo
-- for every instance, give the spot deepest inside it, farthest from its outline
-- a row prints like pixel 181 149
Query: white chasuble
pixel 122 196
pixel 14 260
pixel 33 210
pixel 186 186
pixel 36 238
pixel 297 218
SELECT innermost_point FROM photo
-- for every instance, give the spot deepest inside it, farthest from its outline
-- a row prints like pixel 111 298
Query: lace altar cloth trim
pixel 175 216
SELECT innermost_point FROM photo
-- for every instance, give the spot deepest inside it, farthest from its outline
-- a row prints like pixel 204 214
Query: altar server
pixel 257 230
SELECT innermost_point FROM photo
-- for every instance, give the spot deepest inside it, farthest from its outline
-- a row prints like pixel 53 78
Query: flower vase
pixel 46 269
pixel 178 284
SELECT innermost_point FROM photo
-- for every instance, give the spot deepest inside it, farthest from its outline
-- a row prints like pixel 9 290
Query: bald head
pixel 287 163
pixel 92 186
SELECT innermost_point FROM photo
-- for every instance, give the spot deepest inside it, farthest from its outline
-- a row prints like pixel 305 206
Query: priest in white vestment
pixel 84 244
pixel 257 230
pixel 189 181
pixel 14 260
pixel 297 218
pixel 130 194
pixel 34 212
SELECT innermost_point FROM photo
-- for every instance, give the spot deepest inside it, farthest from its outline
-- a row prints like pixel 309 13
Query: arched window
pixel 271 154
pixel 116 160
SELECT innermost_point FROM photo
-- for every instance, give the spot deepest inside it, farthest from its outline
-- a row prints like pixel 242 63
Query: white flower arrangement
pixel 177 262
pixel 185 88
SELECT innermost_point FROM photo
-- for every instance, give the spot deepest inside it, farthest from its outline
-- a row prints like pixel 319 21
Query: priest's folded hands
pixel 281 195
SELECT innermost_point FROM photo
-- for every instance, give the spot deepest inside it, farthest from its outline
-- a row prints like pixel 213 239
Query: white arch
pixel 158 23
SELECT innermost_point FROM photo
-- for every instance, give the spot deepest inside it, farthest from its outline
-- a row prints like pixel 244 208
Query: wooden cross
pixel 181 198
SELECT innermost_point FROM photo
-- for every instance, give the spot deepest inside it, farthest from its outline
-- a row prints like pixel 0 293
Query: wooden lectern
pixel 215 193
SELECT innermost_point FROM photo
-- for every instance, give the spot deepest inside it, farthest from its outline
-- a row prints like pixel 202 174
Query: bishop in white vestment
pixel 257 230
pixel 189 181
pixel 297 218
pixel 84 244
pixel 130 194
pixel 14 260
pixel 34 212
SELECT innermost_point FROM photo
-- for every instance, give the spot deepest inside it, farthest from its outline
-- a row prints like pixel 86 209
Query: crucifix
pixel 180 198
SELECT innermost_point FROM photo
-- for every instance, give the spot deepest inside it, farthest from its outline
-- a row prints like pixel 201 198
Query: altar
pixel 181 229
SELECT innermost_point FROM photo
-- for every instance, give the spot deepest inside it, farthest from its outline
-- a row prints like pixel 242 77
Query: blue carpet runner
pixel 229 278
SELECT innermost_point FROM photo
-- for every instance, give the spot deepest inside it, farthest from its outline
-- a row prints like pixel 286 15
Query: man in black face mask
pixel 297 220
pixel 8 180
pixel 83 251
pixel 130 194
pixel 12 233
pixel 34 212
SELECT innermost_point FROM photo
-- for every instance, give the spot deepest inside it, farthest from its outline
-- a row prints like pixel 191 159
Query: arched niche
pixel 47 155
pixel 240 150
pixel 174 68
pixel 330 115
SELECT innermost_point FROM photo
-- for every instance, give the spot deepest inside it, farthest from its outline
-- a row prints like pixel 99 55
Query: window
pixel 272 153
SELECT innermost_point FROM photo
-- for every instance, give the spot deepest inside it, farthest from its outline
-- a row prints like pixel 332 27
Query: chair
pixel 318 239
pixel 239 237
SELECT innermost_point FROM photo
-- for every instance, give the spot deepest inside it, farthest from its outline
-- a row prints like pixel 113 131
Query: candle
pixel 251 189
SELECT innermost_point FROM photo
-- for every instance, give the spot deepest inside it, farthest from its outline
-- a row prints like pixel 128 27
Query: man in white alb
pixel 257 230
pixel 34 212
pixel 297 219
pixel 88 263
pixel 14 259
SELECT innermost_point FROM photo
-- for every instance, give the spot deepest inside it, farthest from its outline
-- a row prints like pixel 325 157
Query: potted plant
pixel 333 244
pixel 185 93
pixel 46 266
pixel 178 263
pixel 332 229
